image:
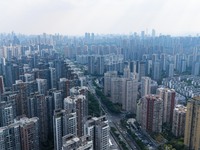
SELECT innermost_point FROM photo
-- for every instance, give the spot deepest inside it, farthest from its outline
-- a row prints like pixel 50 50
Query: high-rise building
pixel 53 82
pixel 37 105
pixel 133 66
pixel 168 96
pixel 98 129
pixel 65 85
pixel 100 65
pixel 171 70
pixel 156 71
pixel 118 89
pixel 78 104
pixel 27 77
pixel 107 81
pixel 163 62
pixel 195 68
pixel 63 123
pixel 178 124
pixel 22 89
pixel 142 69
pixel 8 109
pixel 7 113
pixel 50 113
pixel 23 134
pixel 151 110
pixel 77 90
pixel 91 64
pixel 42 86
pixel 71 141
pixel 192 124
pixel 131 90
pixel 2 88
pixel 57 99
pixel 183 65
pixel 29 129
pixel 145 86
pixel 127 73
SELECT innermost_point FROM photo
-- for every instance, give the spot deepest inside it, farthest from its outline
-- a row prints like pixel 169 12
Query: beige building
pixel 107 81
pixel 145 86
pixel 131 90
pixel 192 125
pixel 178 124
pixel 118 89
pixel 149 113
pixel 168 96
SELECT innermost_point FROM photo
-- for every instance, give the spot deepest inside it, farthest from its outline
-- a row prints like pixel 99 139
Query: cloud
pixel 99 16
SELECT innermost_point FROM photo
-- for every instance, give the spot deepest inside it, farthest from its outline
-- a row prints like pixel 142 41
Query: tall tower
pixel 7 113
pixel 63 123
pixel 23 134
pixel 168 96
pixel 131 90
pixel 22 89
pixel 57 100
pixel 145 86
pixel 42 86
pixel 171 70
pixel 98 129
pixel 29 133
pixel 192 124
pixel 142 69
pixel 151 117
pixel 127 72
pixel 156 71
pixel 2 89
pixel 37 104
pixel 53 78
pixel 178 124
pixel 118 89
pixel 107 81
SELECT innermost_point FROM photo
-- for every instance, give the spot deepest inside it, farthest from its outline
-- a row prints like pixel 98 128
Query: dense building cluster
pixel 44 100
pixel 44 93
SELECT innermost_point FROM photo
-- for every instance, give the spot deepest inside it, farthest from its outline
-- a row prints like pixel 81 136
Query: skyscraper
pixel 64 123
pixel 168 96
pixel 142 69
pixel 192 124
pixel 131 90
pixel 23 134
pixel 53 82
pixel 107 81
pixel 98 129
pixel 152 110
pixel 7 113
pixel 42 86
pixel 171 70
pixel 29 129
pixel 22 89
pixel 118 90
pixel 178 124
pixel 78 104
pixel 37 105
pixel 145 86
pixel 156 71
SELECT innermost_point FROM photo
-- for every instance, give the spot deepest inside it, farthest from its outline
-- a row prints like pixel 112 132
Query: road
pixel 114 121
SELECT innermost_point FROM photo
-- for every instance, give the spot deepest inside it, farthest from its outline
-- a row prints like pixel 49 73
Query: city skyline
pixel 75 17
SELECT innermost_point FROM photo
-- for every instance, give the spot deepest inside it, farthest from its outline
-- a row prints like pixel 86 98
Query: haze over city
pixel 99 75
pixel 75 17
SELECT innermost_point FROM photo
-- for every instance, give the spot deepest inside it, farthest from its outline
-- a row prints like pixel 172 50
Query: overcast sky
pixel 75 17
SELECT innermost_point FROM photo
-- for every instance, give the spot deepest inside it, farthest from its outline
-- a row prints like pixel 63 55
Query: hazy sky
pixel 75 17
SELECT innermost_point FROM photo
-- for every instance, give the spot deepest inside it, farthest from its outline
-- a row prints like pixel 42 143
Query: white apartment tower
pixel 145 86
